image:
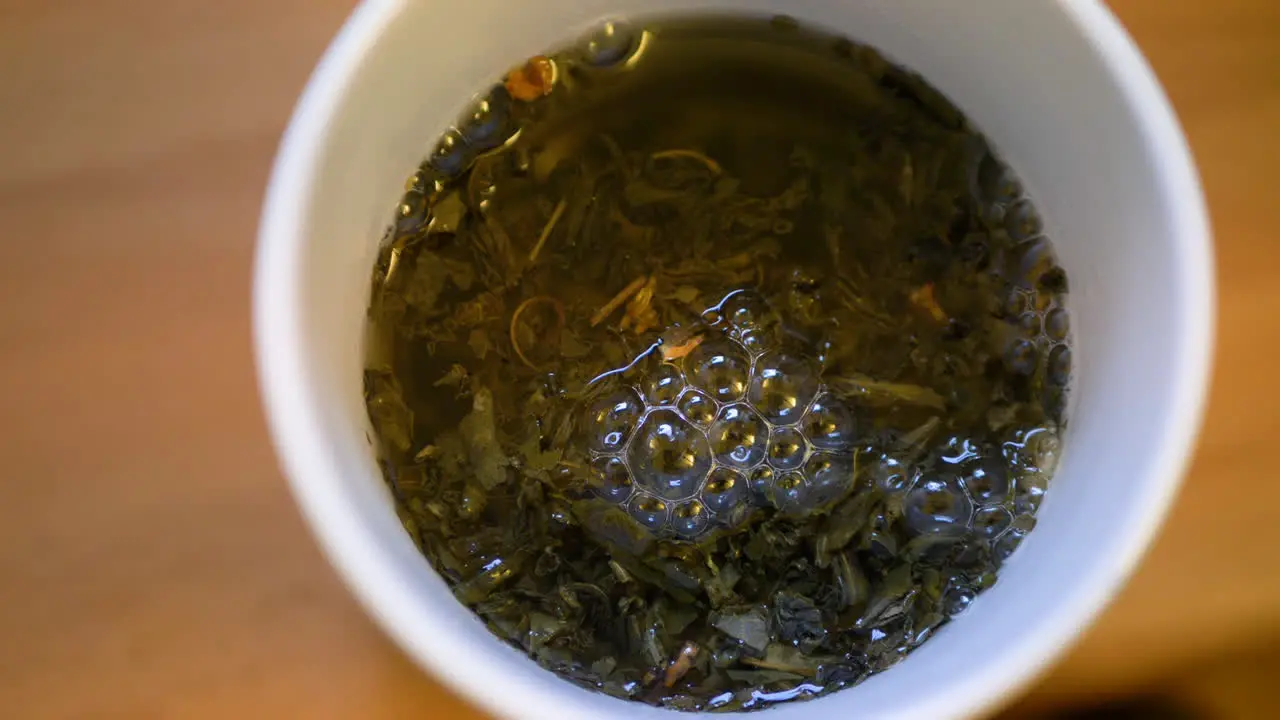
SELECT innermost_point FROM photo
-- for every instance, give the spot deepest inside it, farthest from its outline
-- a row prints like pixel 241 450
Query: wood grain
pixel 151 562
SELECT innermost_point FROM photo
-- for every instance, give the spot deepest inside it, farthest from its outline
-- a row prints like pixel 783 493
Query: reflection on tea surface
pixel 716 363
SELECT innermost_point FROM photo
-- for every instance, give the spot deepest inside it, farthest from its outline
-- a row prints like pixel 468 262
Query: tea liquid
pixel 716 362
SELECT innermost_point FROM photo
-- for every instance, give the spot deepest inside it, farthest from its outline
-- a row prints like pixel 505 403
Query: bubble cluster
pixel 986 491
pixel 739 423
pixel 495 116
pixel 1037 341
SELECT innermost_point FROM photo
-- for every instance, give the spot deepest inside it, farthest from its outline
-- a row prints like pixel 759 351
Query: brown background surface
pixel 151 561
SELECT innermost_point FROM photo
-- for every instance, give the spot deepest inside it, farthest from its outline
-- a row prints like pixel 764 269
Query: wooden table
pixel 151 561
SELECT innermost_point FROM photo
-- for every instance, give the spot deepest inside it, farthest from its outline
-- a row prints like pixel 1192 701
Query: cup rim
pixel 358 554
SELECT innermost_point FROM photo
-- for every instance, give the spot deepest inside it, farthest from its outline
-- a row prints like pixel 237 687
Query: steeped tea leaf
pixel 716 363
pixel 749 626
pixel 479 431
pixel 798 621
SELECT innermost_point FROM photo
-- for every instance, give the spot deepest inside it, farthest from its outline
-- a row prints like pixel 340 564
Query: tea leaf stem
pixel 712 165
pixel 515 319
pixel 546 230
pixel 607 309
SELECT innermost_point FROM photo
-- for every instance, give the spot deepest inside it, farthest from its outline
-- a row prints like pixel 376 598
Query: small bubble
pixel 1042 449
pixel 664 384
pixel 726 489
pixel 611 420
pixel 790 492
pixel 1060 365
pixel 1016 303
pixel 1021 357
pixel 782 386
pixel 786 449
pixel 738 436
pixel 762 483
pixel 1057 324
pixel 698 408
pixel 957 600
pixel 1029 323
pixel 485 125
pixel 991 521
pixel 830 477
pixel 747 310
pixel 649 511
pixel 451 155
pixel 754 340
pixel 829 424
pixel 1029 492
pixel 937 503
pixel 720 368
pixel 1006 544
pixel 1022 221
pixel 987 480
pixel 412 212
pixel 1034 258
pixel 690 519
pixel 609 44
pixel 610 479
pixel 891 474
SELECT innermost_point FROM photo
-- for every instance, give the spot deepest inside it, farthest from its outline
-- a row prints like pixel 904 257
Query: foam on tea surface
pixel 736 424
pixel 716 363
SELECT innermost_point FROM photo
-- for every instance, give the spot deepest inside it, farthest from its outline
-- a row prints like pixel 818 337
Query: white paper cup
pixel 1061 91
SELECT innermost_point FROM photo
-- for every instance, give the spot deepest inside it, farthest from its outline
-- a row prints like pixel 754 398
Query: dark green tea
pixel 716 363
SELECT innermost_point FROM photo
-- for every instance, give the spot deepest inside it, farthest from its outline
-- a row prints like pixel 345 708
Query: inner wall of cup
pixel 1038 89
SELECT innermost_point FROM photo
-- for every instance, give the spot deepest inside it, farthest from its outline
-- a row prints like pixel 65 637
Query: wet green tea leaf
pixel 716 384
pixel 479 432
pixel 750 626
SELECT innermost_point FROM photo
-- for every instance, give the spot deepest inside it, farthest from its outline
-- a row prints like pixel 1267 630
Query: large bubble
pixel 739 436
pixel 937 503
pixel 669 456
pixel 720 369
pixel 782 386
pixel 611 419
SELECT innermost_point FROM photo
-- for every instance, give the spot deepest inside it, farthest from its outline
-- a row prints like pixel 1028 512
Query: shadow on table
pixel 1241 686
